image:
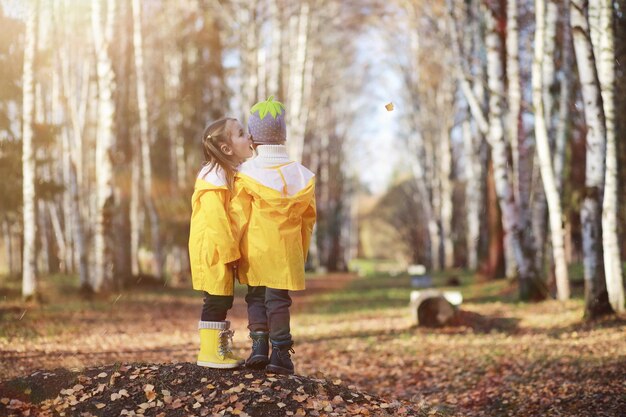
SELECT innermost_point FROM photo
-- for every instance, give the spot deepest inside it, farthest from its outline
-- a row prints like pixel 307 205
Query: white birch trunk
pixel 514 91
pixel 66 201
pixel 62 168
pixel 445 171
pixel 174 119
pixel 274 51
pixel 144 135
pixel 564 98
pixel 58 234
pixel 472 197
pixel 248 68
pixel 548 64
pixel 593 19
pixel 545 157
pixel 295 128
pixel 103 239
pixel 530 285
pixel 79 235
pixel 136 218
pixel 434 229
pixel 29 280
pixel 474 96
pixel 606 73
pixel 596 297
pixel 76 110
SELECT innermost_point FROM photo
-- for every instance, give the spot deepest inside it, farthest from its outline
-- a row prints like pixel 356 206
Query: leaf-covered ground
pixel 354 339
pixel 186 389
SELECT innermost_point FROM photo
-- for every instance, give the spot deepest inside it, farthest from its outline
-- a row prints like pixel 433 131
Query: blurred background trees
pixel 507 148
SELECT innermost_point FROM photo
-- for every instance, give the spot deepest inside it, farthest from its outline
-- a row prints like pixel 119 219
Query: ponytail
pixel 214 135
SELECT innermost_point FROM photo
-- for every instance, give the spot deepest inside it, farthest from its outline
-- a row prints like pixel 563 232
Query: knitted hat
pixel 267 122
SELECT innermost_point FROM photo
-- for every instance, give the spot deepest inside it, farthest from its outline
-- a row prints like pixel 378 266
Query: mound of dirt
pixel 185 389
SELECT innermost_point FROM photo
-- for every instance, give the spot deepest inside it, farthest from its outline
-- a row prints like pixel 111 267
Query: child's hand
pixel 235 268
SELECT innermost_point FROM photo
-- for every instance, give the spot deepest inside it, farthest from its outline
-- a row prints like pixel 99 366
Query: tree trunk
pixel 104 238
pixel 434 222
pixel 446 198
pixel 295 128
pixel 596 297
pixel 548 65
pixel 8 245
pixel 248 46
pixel 562 128
pixel 136 214
pixel 531 287
pixel 79 234
pixel 29 259
pixel 472 196
pixel 174 119
pixel 514 91
pixel 274 51
pixel 58 233
pixel 545 157
pixel 144 134
pixel 75 106
pixel 606 73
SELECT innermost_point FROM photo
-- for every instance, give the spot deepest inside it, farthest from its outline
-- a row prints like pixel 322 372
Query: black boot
pixel 260 350
pixel 280 361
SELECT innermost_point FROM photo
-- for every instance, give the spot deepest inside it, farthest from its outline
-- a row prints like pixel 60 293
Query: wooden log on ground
pixel 433 308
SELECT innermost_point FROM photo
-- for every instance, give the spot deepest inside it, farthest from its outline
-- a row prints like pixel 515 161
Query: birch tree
pixel 104 238
pixel 299 25
pixel 514 214
pixel 29 279
pixel 596 297
pixel 565 87
pixel 513 117
pixel 545 156
pixel 144 135
pixel 610 241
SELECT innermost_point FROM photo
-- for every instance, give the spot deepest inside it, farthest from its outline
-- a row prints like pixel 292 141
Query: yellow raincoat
pixel 275 213
pixel 212 237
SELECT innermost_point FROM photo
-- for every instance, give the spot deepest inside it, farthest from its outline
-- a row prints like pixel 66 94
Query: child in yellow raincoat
pixel 213 242
pixel 275 210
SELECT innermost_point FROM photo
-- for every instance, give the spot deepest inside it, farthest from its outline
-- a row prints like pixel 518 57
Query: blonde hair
pixel 214 135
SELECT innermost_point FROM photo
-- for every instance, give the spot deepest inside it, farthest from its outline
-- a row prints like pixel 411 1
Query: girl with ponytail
pixel 213 241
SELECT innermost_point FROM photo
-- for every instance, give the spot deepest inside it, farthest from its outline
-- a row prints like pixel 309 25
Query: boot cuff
pixel 215 325
pixel 282 344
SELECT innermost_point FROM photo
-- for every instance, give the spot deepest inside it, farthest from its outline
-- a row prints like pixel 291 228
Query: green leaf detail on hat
pixel 270 106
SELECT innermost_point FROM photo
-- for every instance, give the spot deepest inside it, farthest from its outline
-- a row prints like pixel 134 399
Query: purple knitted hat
pixel 267 122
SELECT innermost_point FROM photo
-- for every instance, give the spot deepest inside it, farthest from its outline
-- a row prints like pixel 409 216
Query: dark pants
pixel 268 310
pixel 215 307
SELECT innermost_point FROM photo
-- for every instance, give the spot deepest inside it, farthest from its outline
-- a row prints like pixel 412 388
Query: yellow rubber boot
pixel 215 345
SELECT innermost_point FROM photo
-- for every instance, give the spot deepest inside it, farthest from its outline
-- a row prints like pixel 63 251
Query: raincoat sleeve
pixel 220 229
pixel 308 221
pixel 241 206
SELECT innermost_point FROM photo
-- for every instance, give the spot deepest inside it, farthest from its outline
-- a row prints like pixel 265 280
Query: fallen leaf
pixel 100 405
pixel 300 398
